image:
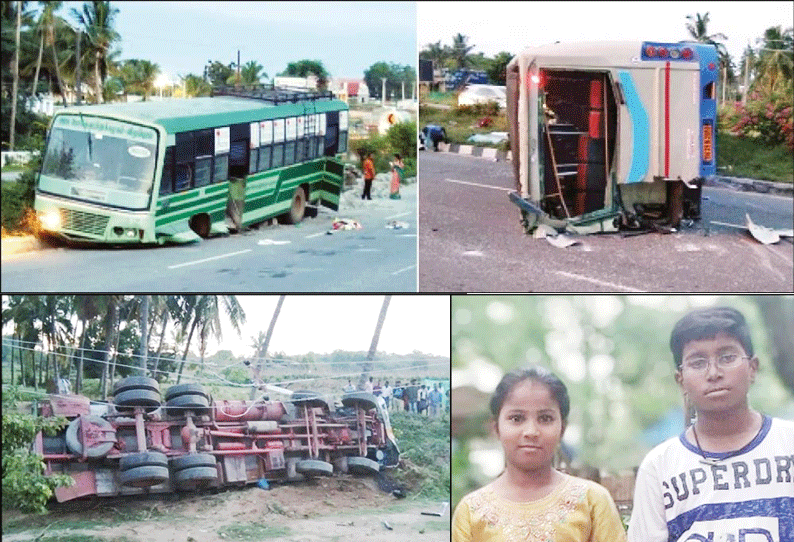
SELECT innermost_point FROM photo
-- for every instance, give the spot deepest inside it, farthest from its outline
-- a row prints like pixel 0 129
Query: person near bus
pixel 386 394
pixel 435 398
pixel 396 176
pixel 369 176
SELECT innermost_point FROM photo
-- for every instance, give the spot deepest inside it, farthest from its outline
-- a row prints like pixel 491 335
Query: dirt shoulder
pixel 340 509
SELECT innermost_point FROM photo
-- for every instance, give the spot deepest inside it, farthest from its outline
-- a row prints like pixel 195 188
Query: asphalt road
pixel 470 240
pixel 270 258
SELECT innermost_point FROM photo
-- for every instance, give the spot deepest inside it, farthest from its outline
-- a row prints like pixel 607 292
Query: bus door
pixel 239 144
pixel 331 133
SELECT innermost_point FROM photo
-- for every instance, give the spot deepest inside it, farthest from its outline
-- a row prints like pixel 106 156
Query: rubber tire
pixel 365 400
pixel 177 406
pixel 145 476
pixel 146 398
pixel 310 398
pixel 362 465
pixel 190 461
pixel 297 208
pixel 194 477
pixel 143 459
pixel 74 444
pixel 136 382
pixel 185 389
pixel 314 467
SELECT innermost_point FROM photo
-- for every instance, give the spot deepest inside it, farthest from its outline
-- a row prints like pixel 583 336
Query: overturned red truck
pixel 135 444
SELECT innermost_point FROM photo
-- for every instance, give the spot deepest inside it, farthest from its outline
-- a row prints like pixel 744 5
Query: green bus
pixel 182 169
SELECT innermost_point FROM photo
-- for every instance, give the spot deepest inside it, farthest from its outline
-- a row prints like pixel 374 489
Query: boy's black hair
pixel 705 324
pixel 539 374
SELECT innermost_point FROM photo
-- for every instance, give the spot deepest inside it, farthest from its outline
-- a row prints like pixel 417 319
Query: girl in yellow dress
pixel 531 501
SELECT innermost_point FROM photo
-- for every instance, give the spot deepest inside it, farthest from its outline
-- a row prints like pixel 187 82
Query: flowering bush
pixel 769 119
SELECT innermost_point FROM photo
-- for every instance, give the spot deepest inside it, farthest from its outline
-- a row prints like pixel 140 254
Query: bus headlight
pixel 51 220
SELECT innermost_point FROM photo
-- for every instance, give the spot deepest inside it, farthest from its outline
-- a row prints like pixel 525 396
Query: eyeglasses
pixel 723 361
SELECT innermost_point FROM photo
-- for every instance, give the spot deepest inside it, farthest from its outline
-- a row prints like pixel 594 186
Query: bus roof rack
pixel 274 95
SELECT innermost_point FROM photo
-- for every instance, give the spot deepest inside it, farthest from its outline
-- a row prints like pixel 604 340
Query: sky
pixel 348 37
pixel 324 323
pixel 493 27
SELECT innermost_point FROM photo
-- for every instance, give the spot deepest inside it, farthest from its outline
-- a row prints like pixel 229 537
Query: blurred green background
pixel 613 354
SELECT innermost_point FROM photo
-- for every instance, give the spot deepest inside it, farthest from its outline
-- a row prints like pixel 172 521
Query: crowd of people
pixel 411 396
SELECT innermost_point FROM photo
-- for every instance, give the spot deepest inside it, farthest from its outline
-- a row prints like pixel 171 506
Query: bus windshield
pixel 100 160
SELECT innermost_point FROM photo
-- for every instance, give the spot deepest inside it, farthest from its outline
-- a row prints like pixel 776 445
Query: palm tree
pixel 97 20
pixel 776 58
pixel 437 53
pixel 139 76
pixel 460 50
pixel 367 367
pixel 15 86
pixel 698 29
pixel 250 73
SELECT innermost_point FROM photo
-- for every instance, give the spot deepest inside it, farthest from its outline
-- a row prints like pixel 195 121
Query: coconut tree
pixel 460 51
pixel 775 58
pixel 139 76
pixel 97 20
pixel 367 366
pixel 250 73
pixel 261 343
pixel 698 29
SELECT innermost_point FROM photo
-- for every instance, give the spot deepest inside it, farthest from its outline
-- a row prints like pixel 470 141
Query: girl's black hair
pixel 705 324
pixel 538 374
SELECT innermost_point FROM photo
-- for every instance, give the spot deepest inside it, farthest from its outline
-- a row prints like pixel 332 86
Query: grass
pixel 742 157
pixel 61 537
pixel 424 455
pixel 252 531
pixel 14 167
pixel 459 125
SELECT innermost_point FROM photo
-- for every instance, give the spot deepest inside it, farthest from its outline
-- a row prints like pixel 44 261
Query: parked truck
pixel 137 443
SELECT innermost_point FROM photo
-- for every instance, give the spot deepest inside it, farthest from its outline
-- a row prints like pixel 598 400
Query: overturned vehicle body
pixel 610 134
pixel 139 444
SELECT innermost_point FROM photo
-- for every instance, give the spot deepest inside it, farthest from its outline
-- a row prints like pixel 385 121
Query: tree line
pixel 109 336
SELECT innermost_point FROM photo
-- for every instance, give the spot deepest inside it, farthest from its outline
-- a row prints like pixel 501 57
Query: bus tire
pixel 136 383
pixel 297 208
pixel 201 224
pixel 100 426
pixel 143 459
pixel 145 476
pixel 148 399
pixel 362 465
pixel 195 477
pixel 314 467
pixel 177 406
pixel 185 389
pixel 191 461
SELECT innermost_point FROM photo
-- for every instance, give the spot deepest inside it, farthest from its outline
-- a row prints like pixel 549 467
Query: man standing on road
pixel 369 176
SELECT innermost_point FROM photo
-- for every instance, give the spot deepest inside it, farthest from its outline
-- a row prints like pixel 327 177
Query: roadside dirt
pixel 341 508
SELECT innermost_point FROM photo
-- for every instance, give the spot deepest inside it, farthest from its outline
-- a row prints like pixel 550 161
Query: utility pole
pixel 383 90
pixel 79 69
pixel 262 353
pixel 746 74
pixel 16 77
pixel 367 367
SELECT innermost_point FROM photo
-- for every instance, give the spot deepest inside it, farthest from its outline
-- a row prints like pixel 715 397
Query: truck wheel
pixel 195 477
pixel 185 389
pixel 135 383
pixel 362 465
pixel 182 403
pixel 145 476
pixel 143 459
pixel 146 398
pixel 190 461
pixel 314 467
pixel 100 436
pixel 297 209
pixel 309 398
pixel 360 399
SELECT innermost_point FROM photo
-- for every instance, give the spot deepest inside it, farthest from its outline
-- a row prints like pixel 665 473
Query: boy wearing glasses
pixel 730 476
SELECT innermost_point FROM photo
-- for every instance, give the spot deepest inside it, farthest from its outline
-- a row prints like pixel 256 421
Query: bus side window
pixel 167 178
pixel 709 91
pixel 204 150
pixel 252 163
pixel 289 153
pixel 221 168
pixel 185 157
pixel 264 158
pixel 239 151
pixel 278 155
pixel 342 142
pixel 331 143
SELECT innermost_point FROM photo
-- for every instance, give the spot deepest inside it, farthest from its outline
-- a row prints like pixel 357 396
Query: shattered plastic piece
pixel 346 224
pixel 397 225
pixel 272 242
pixel 763 234
pixel 543 231
pixel 561 241
pixel 386 524
pixel 444 506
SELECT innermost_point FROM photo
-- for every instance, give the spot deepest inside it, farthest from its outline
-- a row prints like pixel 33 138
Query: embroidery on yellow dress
pixel 540 527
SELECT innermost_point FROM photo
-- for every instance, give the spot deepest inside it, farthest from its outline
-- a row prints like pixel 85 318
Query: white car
pixel 477 94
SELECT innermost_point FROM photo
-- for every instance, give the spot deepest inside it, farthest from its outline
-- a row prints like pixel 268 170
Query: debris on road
pixel 444 506
pixel 762 234
pixel 397 225
pixel 559 240
pixel 346 224
pixel 386 524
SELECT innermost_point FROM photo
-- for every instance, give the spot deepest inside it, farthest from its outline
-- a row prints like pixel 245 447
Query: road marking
pixel 399 215
pixel 404 269
pixel 314 235
pixel 599 282
pixel 473 253
pixel 479 185
pixel 209 259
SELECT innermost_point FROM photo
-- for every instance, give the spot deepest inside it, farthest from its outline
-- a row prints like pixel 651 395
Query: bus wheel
pixel 362 465
pixel 201 225
pixel 297 209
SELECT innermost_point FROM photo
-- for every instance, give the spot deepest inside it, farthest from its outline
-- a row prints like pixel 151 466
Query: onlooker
pixel 369 176
pixel 421 403
pixel 350 387
pixel 413 396
pixel 397 394
pixel 386 394
pixel 368 385
pixel 435 398
pixel 376 389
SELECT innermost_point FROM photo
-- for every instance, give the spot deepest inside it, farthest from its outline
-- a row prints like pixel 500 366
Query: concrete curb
pixel 740 183
pixel 17 244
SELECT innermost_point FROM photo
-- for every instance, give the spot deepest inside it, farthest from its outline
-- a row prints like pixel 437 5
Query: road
pixel 470 240
pixel 270 258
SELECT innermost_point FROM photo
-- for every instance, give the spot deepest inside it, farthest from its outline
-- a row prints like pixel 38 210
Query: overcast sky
pixel 348 37
pixel 512 26
pixel 324 323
